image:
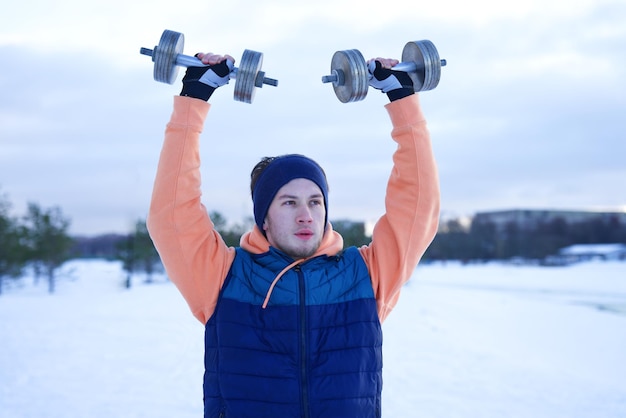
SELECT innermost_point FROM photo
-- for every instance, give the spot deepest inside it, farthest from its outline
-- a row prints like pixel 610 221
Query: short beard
pixel 300 254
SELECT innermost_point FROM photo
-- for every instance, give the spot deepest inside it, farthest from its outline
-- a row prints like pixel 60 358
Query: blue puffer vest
pixel 315 351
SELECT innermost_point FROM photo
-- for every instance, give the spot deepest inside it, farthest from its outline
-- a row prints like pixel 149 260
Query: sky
pixel 529 112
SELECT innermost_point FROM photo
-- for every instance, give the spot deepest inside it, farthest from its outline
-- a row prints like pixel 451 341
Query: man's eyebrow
pixel 290 196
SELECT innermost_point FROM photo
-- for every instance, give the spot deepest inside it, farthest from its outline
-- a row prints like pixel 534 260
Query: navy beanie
pixel 279 172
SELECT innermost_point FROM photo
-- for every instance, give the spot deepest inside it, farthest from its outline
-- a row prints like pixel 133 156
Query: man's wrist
pixel 398 94
pixel 197 90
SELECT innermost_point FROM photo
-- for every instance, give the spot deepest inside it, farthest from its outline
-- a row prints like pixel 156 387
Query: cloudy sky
pixel 529 113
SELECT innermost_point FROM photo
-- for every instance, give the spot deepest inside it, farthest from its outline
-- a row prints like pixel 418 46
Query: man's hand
pixel 396 84
pixel 201 82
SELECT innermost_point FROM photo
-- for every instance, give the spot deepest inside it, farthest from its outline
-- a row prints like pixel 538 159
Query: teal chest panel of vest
pixel 328 279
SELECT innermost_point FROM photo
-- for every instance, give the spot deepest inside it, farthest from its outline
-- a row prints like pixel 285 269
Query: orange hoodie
pixel 196 258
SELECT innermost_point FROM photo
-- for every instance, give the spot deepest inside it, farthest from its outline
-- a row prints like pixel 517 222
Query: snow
pixel 484 341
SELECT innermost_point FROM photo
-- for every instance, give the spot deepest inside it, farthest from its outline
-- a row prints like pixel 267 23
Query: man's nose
pixel 304 215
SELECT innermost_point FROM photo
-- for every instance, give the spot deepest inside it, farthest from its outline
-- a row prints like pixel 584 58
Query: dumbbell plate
pixel 425 56
pixel 355 76
pixel 249 67
pixel 164 56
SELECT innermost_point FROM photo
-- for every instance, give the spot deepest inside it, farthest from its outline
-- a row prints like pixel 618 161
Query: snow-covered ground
pixel 464 341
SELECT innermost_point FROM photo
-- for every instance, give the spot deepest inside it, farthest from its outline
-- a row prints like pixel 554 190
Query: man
pixel 292 318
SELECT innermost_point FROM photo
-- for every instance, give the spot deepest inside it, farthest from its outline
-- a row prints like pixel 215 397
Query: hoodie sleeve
pixel 404 232
pixel 194 255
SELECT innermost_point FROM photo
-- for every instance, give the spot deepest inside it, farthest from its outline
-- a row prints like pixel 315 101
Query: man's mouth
pixel 304 234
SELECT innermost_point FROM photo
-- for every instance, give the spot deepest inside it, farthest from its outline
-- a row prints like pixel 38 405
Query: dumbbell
pixel 167 57
pixel 349 74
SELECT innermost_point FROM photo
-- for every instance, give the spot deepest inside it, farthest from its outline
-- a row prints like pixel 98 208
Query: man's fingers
pixel 386 62
pixel 210 58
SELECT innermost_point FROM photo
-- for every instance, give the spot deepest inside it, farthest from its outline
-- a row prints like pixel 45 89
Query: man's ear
pixel 265 225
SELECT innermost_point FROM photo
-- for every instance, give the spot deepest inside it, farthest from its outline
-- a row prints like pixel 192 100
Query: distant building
pixel 583 252
pixel 529 218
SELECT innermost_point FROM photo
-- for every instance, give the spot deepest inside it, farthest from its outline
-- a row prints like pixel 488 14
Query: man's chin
pixel 302 252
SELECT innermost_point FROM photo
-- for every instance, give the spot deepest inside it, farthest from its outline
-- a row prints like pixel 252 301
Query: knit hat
pixel 279 172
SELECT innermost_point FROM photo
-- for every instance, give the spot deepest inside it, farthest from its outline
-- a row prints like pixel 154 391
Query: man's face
pixel 295 219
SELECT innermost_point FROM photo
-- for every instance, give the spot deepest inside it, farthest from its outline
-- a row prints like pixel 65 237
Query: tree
pixel 452 242
pixel 353 233
pixel 137 253
pixel 125 252
pixel 230 235
pixel 145 250
pixel 47 239
pixel 484 240
pixel 12 248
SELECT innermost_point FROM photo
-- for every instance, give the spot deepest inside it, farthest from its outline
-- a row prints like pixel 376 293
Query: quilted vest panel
pixel 315 351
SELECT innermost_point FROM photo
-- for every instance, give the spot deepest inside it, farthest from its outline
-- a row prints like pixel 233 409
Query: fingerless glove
pixel 201 82
pixel 396 84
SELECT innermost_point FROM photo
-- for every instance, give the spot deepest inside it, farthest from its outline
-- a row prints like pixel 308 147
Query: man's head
pixel 290 203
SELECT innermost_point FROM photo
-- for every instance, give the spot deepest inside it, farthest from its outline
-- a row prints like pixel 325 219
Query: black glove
pixel 396 84
pixel 201 82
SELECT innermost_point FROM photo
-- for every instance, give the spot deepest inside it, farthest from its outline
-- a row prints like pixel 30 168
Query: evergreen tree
pixel 137 253
pixel 353 233
pixel 12 249
pixel 48 241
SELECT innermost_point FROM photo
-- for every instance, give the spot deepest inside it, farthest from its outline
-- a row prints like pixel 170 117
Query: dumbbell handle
pixel 411 66
pixel 187 61
pixel 407 67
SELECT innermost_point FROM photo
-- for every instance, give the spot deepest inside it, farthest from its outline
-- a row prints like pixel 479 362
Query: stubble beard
pixel 300 253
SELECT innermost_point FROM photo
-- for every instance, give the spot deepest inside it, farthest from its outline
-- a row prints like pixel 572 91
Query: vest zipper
pixel 304 378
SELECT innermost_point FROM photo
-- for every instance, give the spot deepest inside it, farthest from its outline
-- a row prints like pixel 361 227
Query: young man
pixel 292 319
